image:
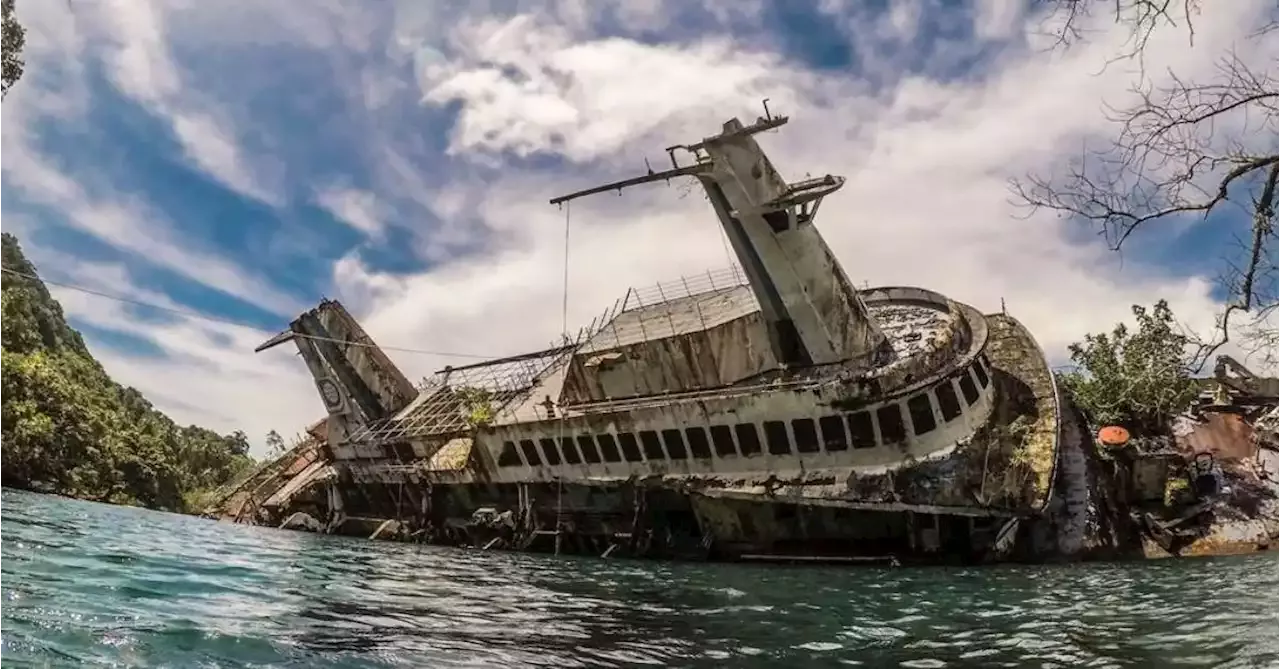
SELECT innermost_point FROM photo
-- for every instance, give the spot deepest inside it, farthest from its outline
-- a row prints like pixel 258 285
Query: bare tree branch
pixel 1182 148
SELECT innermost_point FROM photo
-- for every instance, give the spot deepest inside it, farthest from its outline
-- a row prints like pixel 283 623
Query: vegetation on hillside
pixel 1138 378
pixel 68 428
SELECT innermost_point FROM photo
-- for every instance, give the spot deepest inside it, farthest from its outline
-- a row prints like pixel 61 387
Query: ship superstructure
pixel 771 409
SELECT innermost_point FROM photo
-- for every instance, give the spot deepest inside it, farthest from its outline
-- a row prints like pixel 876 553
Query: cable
pixel 564 302
pixel 224 321
pixel 564 316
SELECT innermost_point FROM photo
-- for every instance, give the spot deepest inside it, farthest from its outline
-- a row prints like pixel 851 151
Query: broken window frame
pixel 509 456
pixel 630 447
pixel 673 440
pixel 587 446
pixel 748 438
pixel 550 452
pixel 862 430
pixel 805 435
pixel 897 426
pixel 920 411
pixel 651 445
pixel 776 438
pixel 835 437
pixel 948 401
pixel 569 451
pixel 722 437
pixel 531 455
pixel 698 442
pixel 609 450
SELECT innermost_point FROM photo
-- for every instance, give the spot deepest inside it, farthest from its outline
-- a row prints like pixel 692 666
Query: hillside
pixel 68 428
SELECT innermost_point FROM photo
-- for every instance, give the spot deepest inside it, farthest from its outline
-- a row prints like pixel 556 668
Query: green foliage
pixel 275 444
pixel 14 38
pixel 1139 379
pixel 68 428
pixel 478 405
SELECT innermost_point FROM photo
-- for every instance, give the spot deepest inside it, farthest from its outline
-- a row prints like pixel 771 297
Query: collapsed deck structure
pixel 770 411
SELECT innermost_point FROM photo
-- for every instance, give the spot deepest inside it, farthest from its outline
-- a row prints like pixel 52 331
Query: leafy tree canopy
pixel 1139 378
pixel 14 38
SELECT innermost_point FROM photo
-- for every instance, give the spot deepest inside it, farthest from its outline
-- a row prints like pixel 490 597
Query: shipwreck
pixel 772 411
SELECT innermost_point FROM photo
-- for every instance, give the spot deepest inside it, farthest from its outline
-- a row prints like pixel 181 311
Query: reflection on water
pixel 86 583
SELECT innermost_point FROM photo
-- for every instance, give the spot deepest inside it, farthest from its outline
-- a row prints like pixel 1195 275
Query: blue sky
pixel 242 162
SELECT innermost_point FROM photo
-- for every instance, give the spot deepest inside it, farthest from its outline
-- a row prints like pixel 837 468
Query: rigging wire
pixel 564 333
pixel 214 319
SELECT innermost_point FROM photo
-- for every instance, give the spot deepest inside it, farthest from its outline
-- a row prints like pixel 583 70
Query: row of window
pixel 829 433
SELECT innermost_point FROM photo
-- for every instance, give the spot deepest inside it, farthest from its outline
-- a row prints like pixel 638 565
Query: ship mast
pixel 812 311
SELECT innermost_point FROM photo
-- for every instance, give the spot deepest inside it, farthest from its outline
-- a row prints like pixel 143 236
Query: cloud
pixel 358 209
pixel 141 65
pixel 460 124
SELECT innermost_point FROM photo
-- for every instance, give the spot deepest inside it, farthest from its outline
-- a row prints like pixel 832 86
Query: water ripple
pixel 92 585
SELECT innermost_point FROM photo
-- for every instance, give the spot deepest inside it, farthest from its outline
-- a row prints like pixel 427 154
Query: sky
pixel 241 160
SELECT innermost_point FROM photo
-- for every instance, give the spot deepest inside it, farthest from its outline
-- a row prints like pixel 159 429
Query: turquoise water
pixel 88 584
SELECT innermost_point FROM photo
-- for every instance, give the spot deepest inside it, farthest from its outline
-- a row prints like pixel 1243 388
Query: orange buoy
pixel 1113 435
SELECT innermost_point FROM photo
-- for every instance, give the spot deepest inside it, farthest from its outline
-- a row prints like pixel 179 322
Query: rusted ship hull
pixel 973 503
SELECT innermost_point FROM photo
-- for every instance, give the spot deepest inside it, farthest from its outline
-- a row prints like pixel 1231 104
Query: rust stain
pixel 1224 435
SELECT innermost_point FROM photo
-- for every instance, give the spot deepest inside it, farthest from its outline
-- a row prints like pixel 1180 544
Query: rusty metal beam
pixel 277 340
pixel 688 170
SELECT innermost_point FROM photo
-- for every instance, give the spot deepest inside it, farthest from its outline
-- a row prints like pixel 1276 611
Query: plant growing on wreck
pixel 477 405
pixel 1139 378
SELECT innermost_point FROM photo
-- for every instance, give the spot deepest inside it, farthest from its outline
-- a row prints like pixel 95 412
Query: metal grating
pixel 455 399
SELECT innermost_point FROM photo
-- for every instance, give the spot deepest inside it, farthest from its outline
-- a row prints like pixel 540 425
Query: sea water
pixel 89 584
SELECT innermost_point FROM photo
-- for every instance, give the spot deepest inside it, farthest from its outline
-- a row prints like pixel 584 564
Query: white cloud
pixel 141 65
pixel 358 209
pixel 926 202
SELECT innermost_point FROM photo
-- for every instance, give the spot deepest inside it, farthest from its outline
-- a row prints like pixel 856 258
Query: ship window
pixel 981 373
pixel 948 403
pixel 587 444
pixel 570 451
pixel 892 430
pixel 630 449
pixel 921 410
pixel 748 440
pixel 652 447
pixel 530 452
pixel 608 447
pixel 722 438
pixel 833 435
pixel 549 451
pixel 806 435
pixel 698 446
pixel 675 444
pixel 968 389
pixel 861 432
pixel 775 435
pixel 508 457
pixel 778 220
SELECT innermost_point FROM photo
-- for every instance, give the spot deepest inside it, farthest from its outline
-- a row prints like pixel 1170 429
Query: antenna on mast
pixel 701 159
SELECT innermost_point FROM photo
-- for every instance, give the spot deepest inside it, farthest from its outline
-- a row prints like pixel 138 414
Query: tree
pixel 14 38
pixel 1136 379
pixel 68 428
pixel 275 444
pixel 1183 148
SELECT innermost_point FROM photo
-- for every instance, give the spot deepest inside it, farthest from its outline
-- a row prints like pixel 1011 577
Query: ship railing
pixel 665 292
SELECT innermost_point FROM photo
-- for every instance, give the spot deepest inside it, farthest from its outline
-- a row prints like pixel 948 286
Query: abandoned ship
pixel 769 412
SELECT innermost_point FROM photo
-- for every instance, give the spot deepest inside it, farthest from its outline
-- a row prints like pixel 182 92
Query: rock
pixel 302 521
pixel 389 529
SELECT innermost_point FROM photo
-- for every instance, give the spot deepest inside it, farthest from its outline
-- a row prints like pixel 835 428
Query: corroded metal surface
pixel 1225 435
